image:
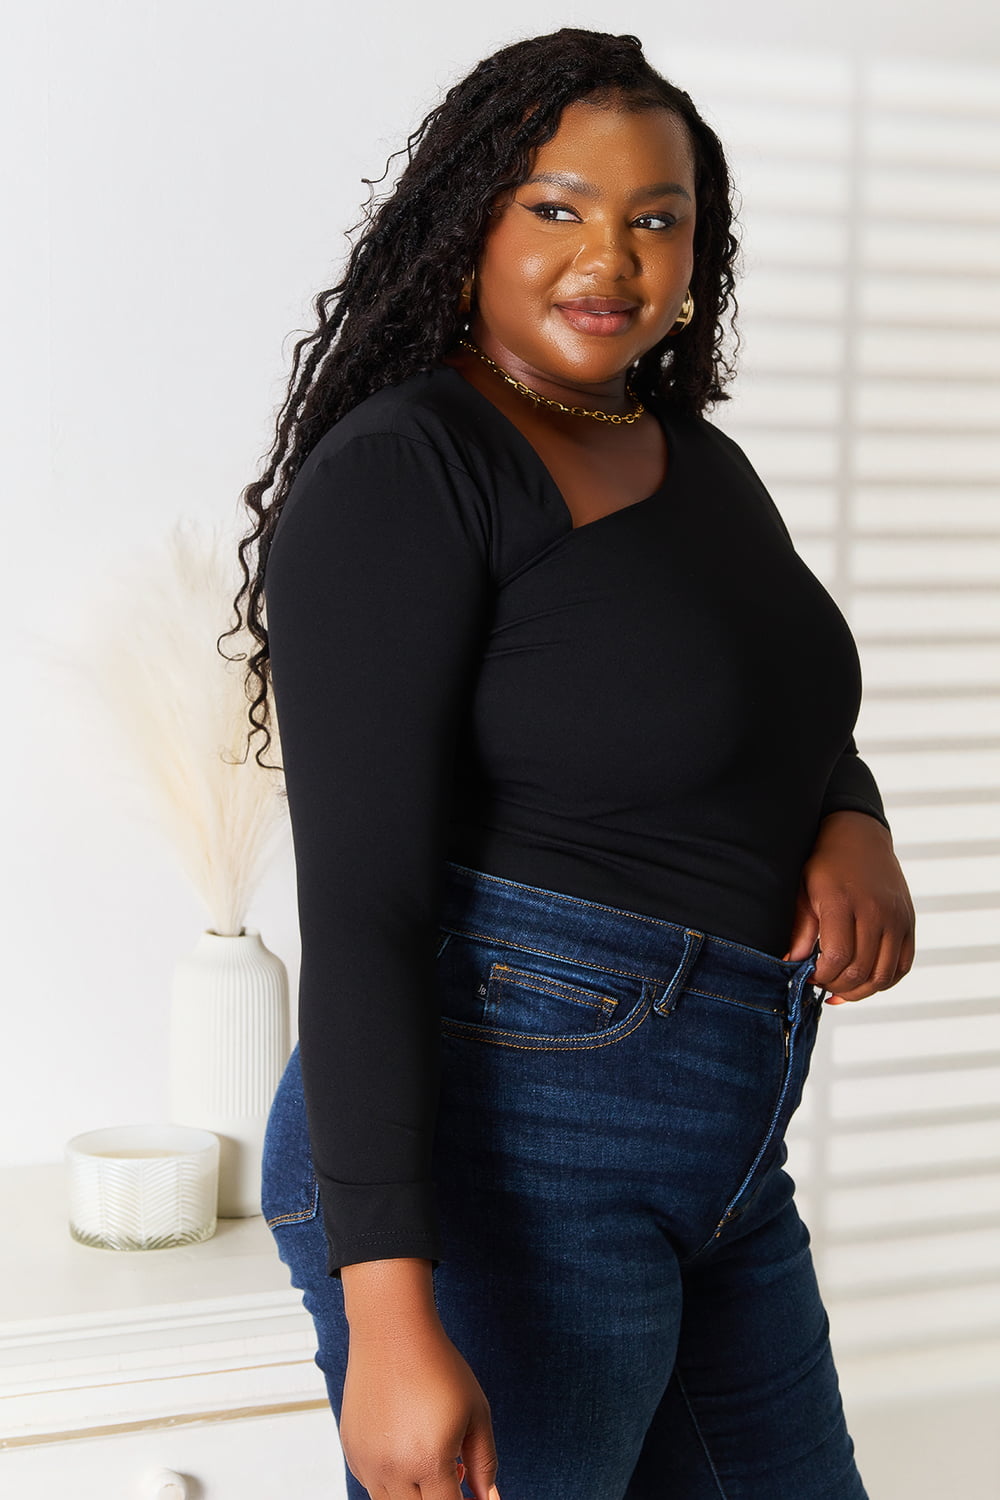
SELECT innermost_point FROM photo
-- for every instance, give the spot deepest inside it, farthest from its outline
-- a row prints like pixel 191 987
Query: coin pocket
pixel 506 994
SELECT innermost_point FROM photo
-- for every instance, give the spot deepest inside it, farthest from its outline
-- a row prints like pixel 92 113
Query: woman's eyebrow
pixel 576 184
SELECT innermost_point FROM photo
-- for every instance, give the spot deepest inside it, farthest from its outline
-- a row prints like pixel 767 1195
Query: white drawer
pixel 251 1458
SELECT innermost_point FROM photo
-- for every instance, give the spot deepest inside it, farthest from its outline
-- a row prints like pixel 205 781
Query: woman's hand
pixel 411 1408
pixel 854 898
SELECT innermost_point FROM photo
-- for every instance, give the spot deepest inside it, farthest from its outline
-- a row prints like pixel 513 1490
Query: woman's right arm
pixel 377 595
pixel 411 1402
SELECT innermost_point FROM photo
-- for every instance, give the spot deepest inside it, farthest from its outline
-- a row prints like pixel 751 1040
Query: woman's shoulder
pixel 727 458
pixel 703 435
pixel 423 409
pixel 393 466
pixel 436 432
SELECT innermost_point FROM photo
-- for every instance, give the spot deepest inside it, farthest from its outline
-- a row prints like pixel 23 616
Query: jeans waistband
pixel 667 954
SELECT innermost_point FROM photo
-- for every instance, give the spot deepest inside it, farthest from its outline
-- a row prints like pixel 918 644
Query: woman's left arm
pixel 854 898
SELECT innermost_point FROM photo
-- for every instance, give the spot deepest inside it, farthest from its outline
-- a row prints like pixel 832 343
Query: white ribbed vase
pixel 229 1043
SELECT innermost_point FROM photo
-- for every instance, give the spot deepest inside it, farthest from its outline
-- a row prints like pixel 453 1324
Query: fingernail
pixel 494 1493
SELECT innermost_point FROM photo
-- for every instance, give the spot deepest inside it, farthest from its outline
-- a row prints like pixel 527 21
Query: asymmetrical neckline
pixel 510 429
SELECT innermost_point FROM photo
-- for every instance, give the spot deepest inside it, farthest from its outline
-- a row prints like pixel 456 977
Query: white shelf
pixel 101 1341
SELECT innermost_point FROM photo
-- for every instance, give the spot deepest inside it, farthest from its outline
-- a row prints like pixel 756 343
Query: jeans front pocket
pixel 510 996
pixel 289 1187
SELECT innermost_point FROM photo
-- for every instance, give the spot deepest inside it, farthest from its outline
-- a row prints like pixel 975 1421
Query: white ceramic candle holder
pixel 143 1187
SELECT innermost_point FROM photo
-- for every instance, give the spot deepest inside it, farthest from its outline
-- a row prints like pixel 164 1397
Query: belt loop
pixel 799 980
pixel 692 947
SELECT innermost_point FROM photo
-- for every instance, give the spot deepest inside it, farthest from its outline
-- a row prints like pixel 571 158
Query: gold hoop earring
pixel 685 315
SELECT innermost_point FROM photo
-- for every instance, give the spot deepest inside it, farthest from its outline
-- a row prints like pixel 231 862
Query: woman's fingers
pixel 907 952
pixel 893 958
pixel 842 959
pixel 857 955
pixel 855 887
pixel 451 1489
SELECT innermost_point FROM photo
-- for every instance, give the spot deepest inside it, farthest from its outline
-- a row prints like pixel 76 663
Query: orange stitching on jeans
pixel 306 1213
pixel 300 1213
pixel 585 1044
pixel 555 987
pixel 767 1010
pixel 491 938
pixel 636 916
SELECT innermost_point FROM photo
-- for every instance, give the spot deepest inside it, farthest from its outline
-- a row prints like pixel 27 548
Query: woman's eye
pixel 542 211
pixel 542 208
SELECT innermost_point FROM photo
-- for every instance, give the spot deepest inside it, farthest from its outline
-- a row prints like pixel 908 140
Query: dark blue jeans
pixel 624 1267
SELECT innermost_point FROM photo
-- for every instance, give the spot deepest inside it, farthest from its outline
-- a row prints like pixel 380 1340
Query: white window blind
pixel 869 399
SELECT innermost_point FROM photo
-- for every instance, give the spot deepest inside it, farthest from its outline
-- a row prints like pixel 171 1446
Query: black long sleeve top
pixel 653 710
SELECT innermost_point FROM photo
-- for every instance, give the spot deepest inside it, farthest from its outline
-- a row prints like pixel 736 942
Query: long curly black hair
pixel 396 311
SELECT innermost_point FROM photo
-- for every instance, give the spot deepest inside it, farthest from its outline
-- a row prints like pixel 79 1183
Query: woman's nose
pixel 606 250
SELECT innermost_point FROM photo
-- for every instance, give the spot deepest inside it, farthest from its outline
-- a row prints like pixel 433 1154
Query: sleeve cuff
pixel 855 804
pixel 852 788
pixel 379 1221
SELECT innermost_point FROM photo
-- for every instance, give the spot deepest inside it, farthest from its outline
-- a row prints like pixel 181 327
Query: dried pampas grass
pixel 180 710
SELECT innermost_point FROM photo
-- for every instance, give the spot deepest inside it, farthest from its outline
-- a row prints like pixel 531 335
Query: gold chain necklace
pixel 576 411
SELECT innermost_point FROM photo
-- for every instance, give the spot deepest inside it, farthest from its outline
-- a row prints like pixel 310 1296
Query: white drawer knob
pixel 164 1484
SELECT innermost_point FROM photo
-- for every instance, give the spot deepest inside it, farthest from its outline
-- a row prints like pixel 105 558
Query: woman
pixel 581 832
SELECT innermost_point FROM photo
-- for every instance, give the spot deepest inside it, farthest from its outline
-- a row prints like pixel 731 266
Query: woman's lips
pixel 599 323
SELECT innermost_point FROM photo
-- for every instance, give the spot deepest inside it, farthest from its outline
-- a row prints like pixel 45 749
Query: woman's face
pixel 619 223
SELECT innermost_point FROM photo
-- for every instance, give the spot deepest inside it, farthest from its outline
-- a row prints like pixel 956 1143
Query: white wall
pixel 179 181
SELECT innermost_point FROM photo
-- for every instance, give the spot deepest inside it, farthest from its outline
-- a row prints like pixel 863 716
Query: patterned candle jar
pixel 143 1187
